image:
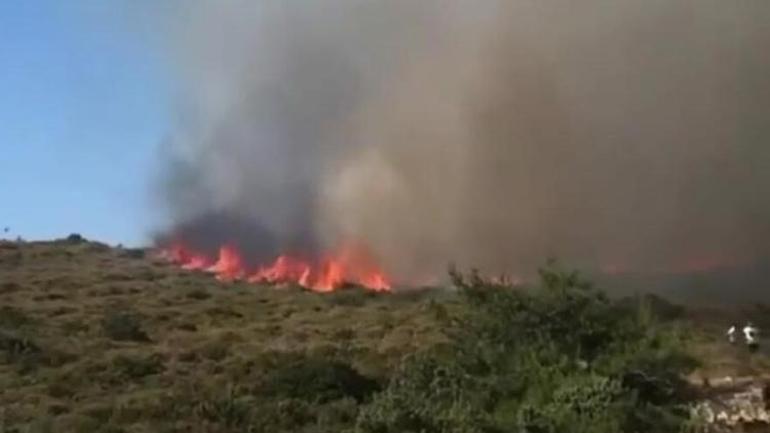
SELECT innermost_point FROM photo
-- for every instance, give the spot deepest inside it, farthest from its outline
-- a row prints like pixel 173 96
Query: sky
pixel 83 109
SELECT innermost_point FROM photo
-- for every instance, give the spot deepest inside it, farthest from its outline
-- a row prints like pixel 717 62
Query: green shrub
pixel 13 318
pixel 561 357
pixel 215 350
pixel 198 294
pixel 16 347
pixel 230 409
pixel 28 355
pixel 350 296
pixel 133 367
pixel 315 379
pixel 74 238
pixel 132 253
pixel 123 326
pixel 428 395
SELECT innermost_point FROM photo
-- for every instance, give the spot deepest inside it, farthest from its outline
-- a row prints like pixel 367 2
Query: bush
pixel 198 294
pixel 428 395
pixel 350 296
pixel 75 238
pixel 136 367
pixel 27 354
pixel 230 409
pixel 132 253
pixel 558 358
pixel 123 326
pixel 316 379
pixel 16 347
pixel 234 409
pixel 13 318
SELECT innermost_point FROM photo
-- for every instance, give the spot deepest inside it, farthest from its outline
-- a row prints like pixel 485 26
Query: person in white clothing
pixel 731 334
pixel 750 333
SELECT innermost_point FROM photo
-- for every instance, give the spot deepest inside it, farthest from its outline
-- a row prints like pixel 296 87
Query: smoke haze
pixel 623 135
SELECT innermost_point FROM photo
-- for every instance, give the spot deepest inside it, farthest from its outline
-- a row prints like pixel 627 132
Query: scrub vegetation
pixel 107 339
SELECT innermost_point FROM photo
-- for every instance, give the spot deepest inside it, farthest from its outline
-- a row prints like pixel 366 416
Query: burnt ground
pixel 96 338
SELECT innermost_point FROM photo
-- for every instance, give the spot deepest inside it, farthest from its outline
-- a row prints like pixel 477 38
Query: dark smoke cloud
pixel 623 134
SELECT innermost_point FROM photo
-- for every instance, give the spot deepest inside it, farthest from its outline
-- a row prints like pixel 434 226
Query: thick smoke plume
pixel 622 135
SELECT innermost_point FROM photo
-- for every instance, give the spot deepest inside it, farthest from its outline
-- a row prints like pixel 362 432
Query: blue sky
pixel 83 108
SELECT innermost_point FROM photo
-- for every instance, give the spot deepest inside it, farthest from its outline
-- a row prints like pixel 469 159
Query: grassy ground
pixel 94 338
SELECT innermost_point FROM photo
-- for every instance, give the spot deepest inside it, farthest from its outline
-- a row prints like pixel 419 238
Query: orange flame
pixel 229 266
pixel 349 265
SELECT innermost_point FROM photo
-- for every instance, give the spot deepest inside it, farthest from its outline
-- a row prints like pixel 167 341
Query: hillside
pixel 95 338
pixel 96 334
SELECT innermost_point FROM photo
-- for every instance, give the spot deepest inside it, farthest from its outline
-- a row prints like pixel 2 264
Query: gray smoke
pixel 615 134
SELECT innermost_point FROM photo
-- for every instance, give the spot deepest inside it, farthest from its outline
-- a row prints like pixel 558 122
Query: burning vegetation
pixel 350 265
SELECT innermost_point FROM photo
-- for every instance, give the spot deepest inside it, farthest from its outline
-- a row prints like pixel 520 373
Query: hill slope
pixel 95 338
